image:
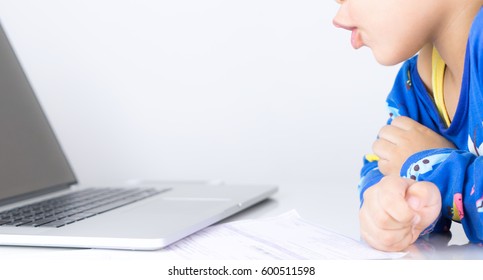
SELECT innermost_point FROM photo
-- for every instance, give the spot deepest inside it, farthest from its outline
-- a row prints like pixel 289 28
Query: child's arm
pixel 454 172
pixel 458 175
pixel 397 210
pixel 399 104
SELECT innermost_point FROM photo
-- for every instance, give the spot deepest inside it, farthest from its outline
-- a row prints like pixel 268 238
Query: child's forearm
pixel 458 177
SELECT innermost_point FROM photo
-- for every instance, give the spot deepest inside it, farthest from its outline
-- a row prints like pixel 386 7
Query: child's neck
pixel 451 38
pixel 450 41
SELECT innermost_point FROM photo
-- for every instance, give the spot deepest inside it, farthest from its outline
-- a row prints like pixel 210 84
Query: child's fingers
pixel 392 199
pixel 423 194
pixel 387 220
pixel 383 148
pixel 392 134
pixel 376 216
pixel 386 240
pixel 390 214
pixel 425 199
pixel 405 123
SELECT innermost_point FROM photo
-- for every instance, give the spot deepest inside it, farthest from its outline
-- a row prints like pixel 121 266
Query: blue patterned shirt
pixel 458 173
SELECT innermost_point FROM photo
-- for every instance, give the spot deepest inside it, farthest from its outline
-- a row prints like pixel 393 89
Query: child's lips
pixel 356 39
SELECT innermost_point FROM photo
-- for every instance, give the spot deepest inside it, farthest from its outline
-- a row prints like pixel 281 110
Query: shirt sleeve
pixel 370 175
pixel 458 176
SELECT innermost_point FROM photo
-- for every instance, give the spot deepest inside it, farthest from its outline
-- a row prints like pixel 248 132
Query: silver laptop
pixel 42 205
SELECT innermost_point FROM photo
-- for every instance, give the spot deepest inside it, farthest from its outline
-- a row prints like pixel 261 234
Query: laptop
pixel 41 203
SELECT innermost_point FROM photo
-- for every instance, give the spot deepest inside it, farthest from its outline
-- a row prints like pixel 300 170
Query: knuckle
pixel 390 181
pixel 383 130
pixel 401 119
pixel 397 120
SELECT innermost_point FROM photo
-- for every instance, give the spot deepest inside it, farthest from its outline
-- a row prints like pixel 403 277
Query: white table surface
pixel 334 207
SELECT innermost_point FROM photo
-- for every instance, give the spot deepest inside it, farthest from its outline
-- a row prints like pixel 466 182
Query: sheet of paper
pixel 284 237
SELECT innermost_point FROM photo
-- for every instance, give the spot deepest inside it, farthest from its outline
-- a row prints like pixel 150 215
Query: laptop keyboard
pixel 73 207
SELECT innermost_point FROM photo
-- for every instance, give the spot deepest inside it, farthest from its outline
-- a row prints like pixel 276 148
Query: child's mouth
pixel 356 39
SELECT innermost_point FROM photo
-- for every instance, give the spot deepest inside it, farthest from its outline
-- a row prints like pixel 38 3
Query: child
pixel 426 169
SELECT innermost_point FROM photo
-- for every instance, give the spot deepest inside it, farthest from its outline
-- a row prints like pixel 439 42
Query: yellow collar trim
pixel 439 67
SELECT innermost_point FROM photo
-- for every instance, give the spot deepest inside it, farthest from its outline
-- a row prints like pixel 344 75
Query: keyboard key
pixel 39 222
pixel 3 222
pixel 56 224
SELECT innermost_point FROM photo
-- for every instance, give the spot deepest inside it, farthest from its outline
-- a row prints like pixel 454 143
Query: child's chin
pixel 388 59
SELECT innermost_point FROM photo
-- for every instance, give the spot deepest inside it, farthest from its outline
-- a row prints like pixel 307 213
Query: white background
pixel 247 91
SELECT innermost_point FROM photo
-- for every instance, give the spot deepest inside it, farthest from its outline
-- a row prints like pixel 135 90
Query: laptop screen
pixel 31 159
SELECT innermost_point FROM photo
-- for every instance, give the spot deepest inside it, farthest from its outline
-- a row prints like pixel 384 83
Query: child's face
pixel 394 30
